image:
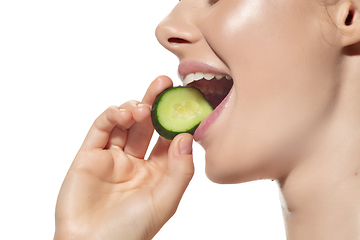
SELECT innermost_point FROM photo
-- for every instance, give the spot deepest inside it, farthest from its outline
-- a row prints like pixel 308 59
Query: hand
pixel 110 191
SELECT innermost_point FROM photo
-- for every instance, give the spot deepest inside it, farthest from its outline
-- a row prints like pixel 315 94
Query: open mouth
pixel 215 87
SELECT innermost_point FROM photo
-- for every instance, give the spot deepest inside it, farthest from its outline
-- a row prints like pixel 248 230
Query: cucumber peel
pixel 179 110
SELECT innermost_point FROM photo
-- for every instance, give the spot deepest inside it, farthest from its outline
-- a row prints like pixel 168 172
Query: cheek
pixel 267 126
pixel 256 33
pixel 280 96
pixel 241 149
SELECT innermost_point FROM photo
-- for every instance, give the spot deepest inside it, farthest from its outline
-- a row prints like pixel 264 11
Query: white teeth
pixel 188 79
pixel 199 75
pixel 208 76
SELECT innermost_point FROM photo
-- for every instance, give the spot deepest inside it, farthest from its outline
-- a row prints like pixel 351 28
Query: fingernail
pixel 186 146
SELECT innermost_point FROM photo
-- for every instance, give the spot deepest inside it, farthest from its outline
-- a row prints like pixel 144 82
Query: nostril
pixel 177 40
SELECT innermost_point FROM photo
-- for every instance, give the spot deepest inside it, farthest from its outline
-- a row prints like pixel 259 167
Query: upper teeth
pixel 199 75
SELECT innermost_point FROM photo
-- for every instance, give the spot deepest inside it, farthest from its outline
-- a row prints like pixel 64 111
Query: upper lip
pixel 188 67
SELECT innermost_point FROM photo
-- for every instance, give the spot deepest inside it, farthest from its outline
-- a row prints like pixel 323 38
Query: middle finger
pixel 140 134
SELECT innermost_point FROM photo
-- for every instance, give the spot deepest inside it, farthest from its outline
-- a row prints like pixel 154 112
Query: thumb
pixel 180 170
pixel 180 163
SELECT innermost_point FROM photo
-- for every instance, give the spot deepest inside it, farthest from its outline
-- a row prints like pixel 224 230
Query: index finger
pixel 156 87
pixel 140 134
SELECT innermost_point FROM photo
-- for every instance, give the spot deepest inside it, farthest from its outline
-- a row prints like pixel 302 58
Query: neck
pixel 321 195
pixel 323 204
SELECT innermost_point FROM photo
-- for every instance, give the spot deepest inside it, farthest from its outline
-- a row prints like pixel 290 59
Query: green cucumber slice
pixel 178 110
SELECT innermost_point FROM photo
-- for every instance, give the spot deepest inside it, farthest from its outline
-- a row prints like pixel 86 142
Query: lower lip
pixel 209 120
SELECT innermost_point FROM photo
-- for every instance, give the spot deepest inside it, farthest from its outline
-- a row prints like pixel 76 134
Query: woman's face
pixel 284 79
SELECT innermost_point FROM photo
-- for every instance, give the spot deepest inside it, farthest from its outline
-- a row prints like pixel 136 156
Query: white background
pixel 61 64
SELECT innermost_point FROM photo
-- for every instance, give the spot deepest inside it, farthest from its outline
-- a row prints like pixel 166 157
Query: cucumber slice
pixel 178 110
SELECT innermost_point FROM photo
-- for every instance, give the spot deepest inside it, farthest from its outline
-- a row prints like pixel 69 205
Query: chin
pixel 229 169
pixel 220 177
pixel 225 177
pixel 223 171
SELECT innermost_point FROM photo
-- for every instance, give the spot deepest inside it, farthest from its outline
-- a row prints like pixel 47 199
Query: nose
pixel 178 31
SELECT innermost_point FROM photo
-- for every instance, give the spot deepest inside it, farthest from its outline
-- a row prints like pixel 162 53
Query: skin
pixel 261 118
pixel 110 192
pixel 293 116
